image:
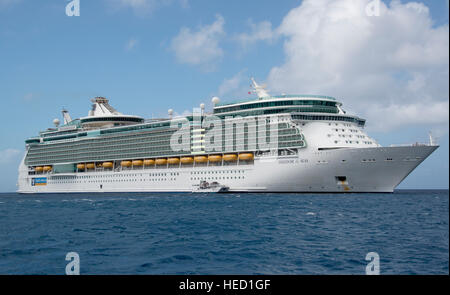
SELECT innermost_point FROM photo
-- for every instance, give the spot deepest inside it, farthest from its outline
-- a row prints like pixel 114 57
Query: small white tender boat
pixel 213 187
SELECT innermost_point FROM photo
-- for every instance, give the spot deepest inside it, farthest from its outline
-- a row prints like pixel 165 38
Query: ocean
pixel 188 233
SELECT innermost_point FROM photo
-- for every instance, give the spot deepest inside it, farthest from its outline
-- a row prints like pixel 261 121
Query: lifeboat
pixel 125 163
pixel 138 163
pixel 161 161
pixel 47 168
pixel 230 158
pixel 149 162
pixel 173 161
pixel 246 157
pixel 107 165
pixel 90 166
pixel 39 169
pixel 200 159
pixel 80 166
pixel 187 160
pixel 214 158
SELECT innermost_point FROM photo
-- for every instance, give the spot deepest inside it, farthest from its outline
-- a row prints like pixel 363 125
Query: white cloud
pixel 140 7
pixel 131 44
pixel 137 4
pixel 395 115
pixel 144 7
pixel 9 155
pixel 235 86
pixel 184 4
pixel 394 66
pixel 259 32
pixel 28 96
pixel 201 47
pixel 7 3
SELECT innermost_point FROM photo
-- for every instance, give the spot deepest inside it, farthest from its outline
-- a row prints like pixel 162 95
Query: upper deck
pixel 103 119
pixel 279 104
pixel 301 96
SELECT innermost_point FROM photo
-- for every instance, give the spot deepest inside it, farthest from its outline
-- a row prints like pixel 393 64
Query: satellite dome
pixel 215 100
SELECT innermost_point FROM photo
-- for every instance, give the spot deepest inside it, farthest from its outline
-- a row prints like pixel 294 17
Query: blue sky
pixel 147 56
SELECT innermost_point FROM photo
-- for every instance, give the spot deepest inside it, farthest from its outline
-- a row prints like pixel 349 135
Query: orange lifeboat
pixel 200 159
pixel 107 165
pixel 214 158
pixel 80 166
pixel 187 160
pixel 161 161
pixel 230 158
pixel 173 161
pixel 39 169
pixel 246 157
pixel 125 163
pixel 90 166
pixel 138 163
pixel 47 168
pixel 149 162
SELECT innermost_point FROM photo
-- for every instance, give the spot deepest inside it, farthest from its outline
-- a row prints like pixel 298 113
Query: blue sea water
pixel 225 233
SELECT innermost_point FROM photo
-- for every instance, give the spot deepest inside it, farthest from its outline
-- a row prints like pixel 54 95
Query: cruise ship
pixel 283 143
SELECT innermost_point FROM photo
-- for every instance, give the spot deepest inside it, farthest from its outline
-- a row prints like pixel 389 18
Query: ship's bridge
pixel 280 104
pixel 270 104
pixel 301 107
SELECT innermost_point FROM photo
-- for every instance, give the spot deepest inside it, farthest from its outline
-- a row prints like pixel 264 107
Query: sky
pixel 387 63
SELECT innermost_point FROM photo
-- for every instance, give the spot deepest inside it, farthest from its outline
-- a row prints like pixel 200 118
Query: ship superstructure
pixel 285 143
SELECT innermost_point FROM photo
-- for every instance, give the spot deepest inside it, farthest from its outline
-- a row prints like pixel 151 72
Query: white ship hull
pixel 374 169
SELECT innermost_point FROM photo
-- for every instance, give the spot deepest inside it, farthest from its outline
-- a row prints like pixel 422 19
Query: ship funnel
pixel 66 116
pixel 260 90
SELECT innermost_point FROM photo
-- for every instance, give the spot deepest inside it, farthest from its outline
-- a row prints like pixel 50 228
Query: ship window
pixel 341 178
